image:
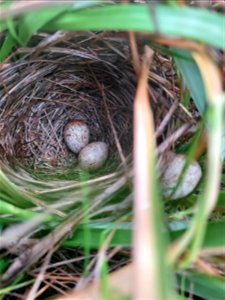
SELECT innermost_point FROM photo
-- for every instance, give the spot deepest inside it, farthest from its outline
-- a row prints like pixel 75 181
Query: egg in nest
pixel 174 166
pixel 93 156
pixel 76 135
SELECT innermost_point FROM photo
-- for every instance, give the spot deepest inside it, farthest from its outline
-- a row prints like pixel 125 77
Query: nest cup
pixel 83 78
pixel 87 77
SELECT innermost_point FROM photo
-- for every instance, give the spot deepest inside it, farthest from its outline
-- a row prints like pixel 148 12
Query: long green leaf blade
pixel 192 77
pixel 200 25
pixel 123 235
pixel 30 23
pixel 207 287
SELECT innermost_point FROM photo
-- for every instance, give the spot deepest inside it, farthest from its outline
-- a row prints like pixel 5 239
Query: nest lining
pixel 40 96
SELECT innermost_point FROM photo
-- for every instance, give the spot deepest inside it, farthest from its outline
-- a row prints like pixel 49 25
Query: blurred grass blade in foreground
pixel 150 271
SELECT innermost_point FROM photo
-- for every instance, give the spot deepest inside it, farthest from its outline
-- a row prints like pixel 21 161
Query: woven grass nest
pixel 84 77
pixel 90 77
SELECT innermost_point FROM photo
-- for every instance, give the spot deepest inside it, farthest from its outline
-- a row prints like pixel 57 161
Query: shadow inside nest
pixel 41 93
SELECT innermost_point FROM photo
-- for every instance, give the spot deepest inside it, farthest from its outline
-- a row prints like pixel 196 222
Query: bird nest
pixel 85 77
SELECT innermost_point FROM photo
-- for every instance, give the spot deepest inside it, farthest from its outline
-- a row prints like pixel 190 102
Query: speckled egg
pixel 93 156
pixel 174 167
pixel 76 135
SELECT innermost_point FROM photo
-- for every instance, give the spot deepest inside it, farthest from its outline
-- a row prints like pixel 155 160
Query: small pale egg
pixel 76 135
pixel 174 167
pixel 93 156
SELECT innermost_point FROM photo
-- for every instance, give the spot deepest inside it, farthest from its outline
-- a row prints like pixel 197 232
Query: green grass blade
pixel 122 236
pixel 12 30
pixel 214 236
pixel 7 46
pixel 192 77
pixel 30 23
pixel 206 287
pixel 15 196
pixel 11 288
pixel 3 264
pixel 7 208
pixel 223 138
pixel 221 198
pixel 184 22
pixel 86 220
